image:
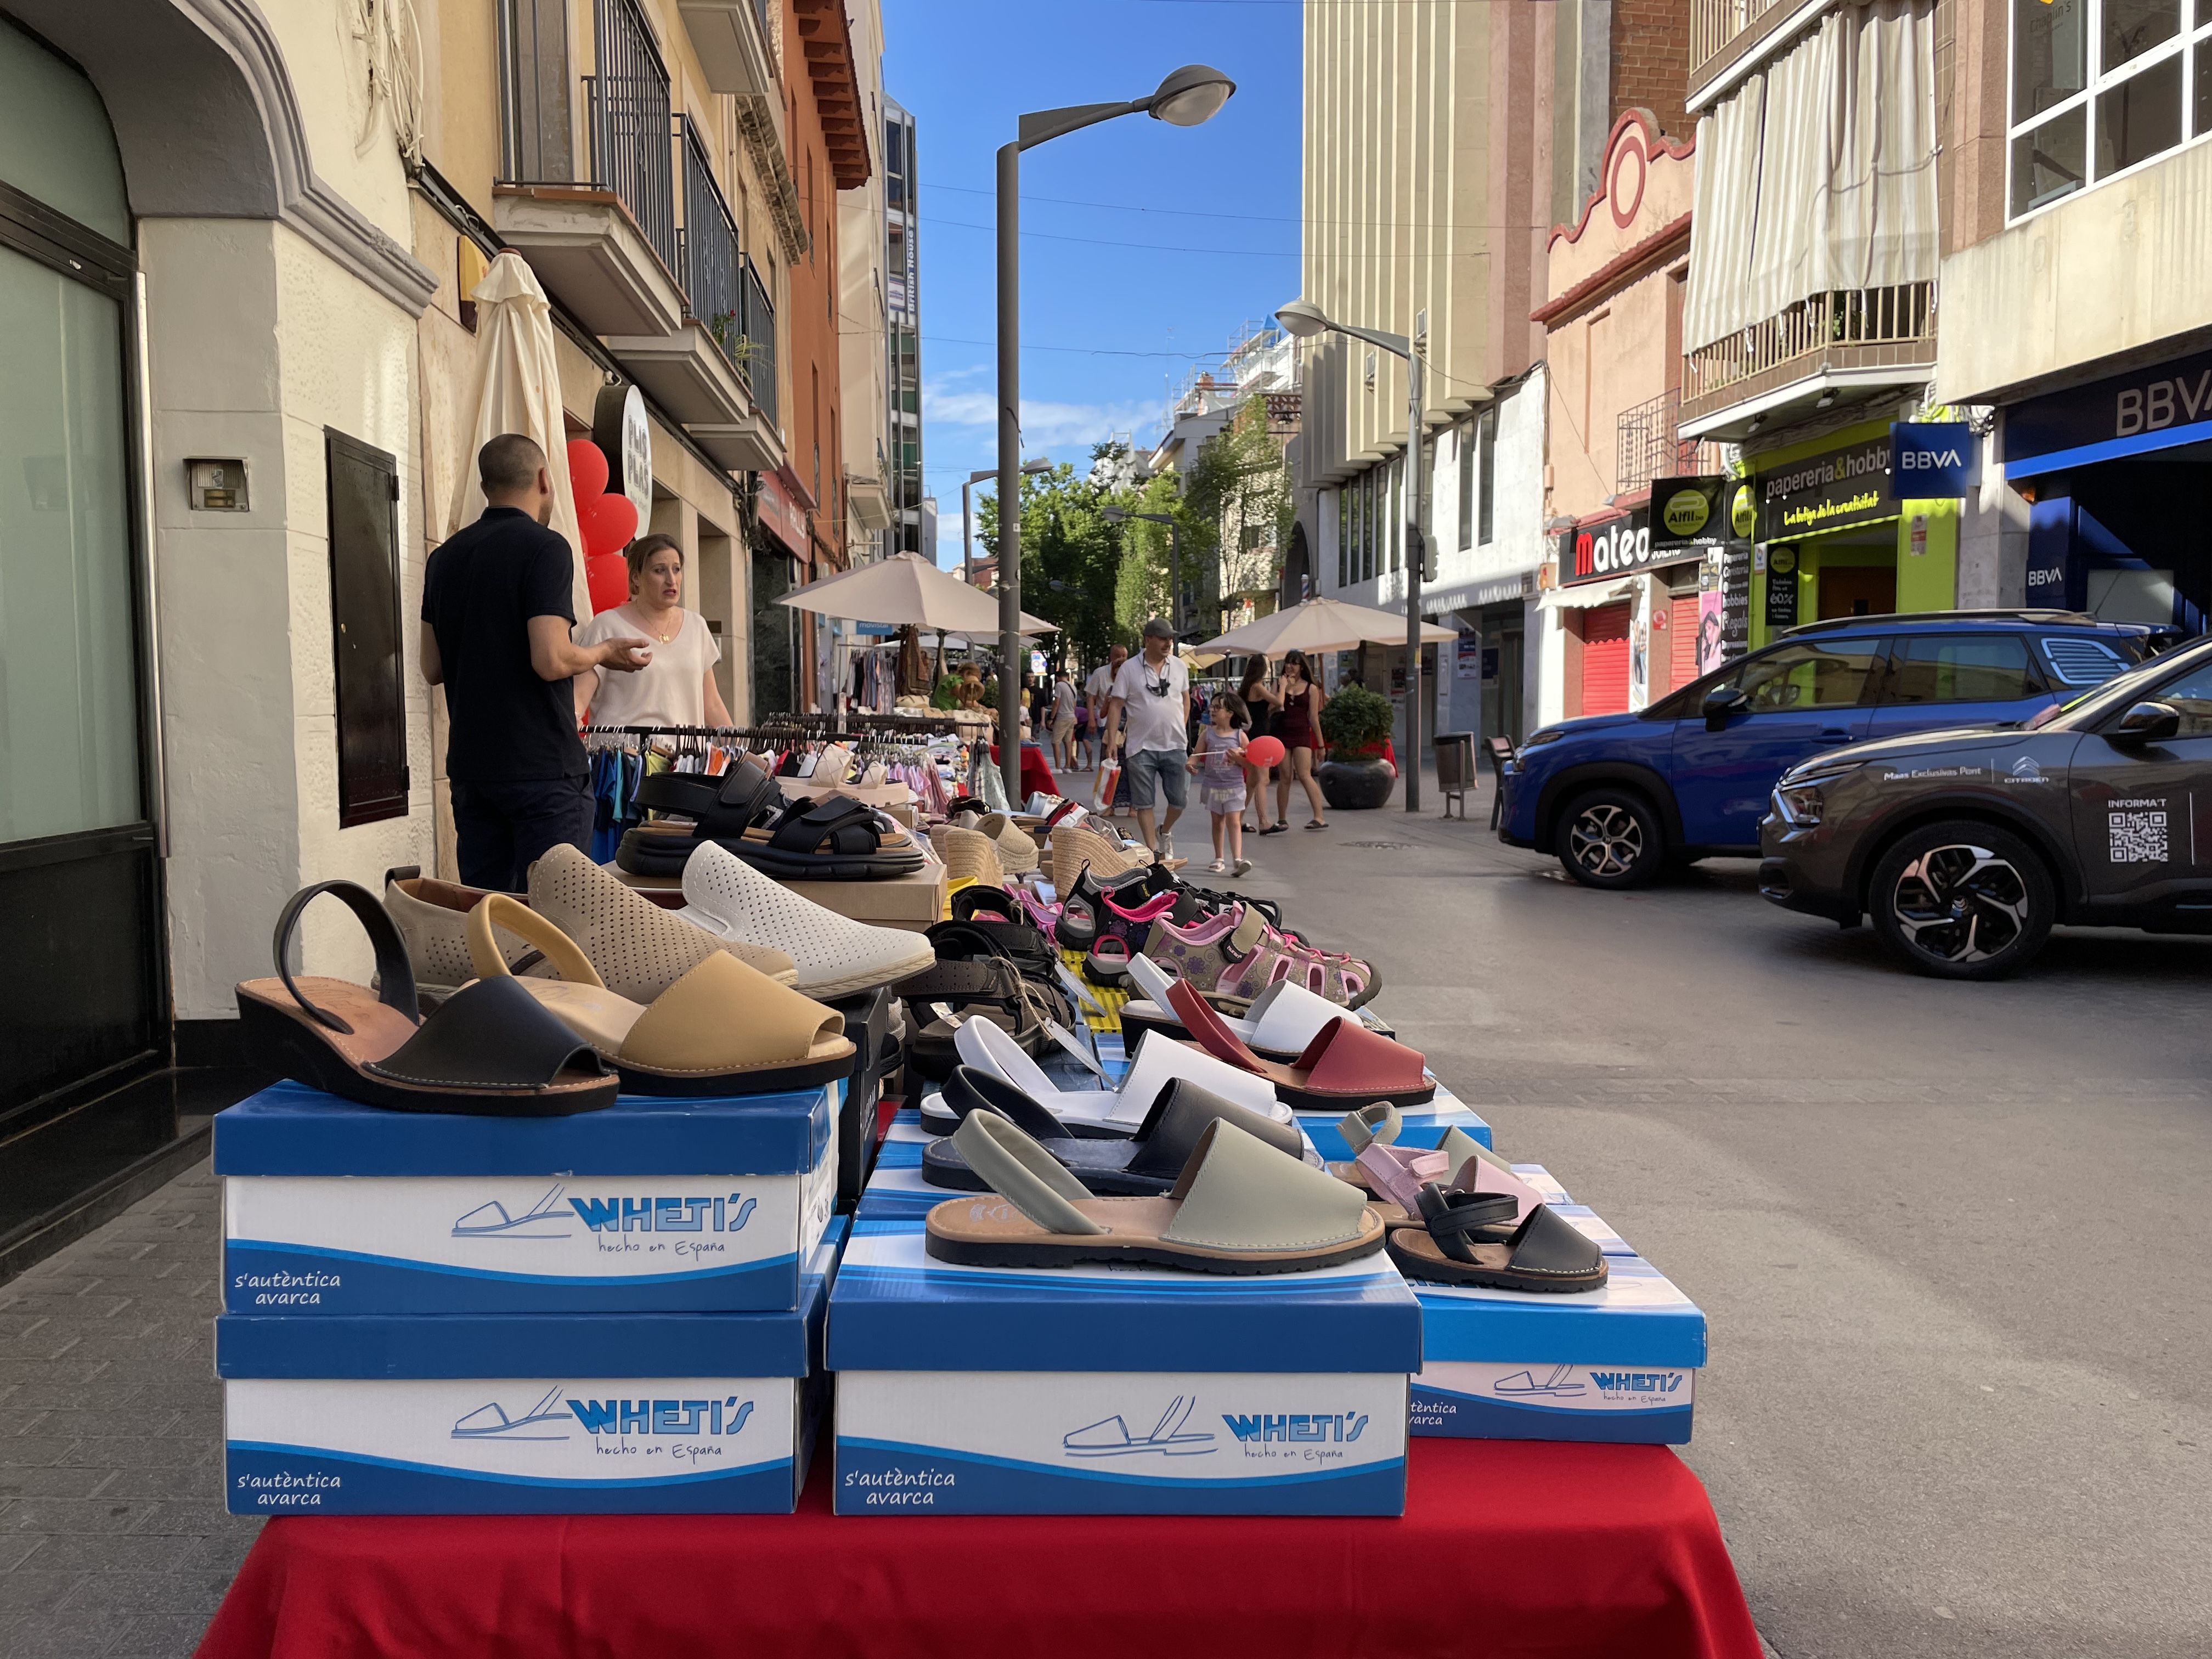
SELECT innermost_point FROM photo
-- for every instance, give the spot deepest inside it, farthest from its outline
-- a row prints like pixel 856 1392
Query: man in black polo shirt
pixel 497 612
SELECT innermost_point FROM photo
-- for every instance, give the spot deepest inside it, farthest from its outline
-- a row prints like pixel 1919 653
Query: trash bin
pixel 1455 753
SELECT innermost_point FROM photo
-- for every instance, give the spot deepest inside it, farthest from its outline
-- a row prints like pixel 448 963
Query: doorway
pixel 1856 590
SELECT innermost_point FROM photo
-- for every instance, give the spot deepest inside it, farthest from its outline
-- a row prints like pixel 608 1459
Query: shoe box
pixel 1095 1389
pixel 524 1413
pixel 654 1204
pixel 910 901
pixel 875 1052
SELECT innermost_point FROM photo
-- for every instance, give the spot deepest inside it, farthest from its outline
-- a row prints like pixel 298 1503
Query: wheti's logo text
pixel 666 1215
pixel 1296 1428
pixel 692 1417
pixel 1609 549
pixel 1636 1382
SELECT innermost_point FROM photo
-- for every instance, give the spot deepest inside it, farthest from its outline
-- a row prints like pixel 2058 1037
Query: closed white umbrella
pixel 518 389
pixel 1322 624
pixel 907 588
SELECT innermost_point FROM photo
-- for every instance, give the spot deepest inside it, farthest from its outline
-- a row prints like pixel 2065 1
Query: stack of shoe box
pixel 617 1311
pixel 1095 1389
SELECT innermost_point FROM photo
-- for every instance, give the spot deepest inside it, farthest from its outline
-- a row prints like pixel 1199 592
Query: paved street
pixel 1956 1403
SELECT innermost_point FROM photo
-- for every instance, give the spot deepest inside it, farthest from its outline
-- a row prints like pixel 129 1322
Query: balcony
pixel 1846 346
pixel 734 41
pixel 601 235
pixel 746 333
pixel 1726 33
pixel 868 501
pixel 1648 446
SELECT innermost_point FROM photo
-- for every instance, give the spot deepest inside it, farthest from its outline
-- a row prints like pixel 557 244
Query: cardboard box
pixel 332 1208
pixel 911 902
pixel 999 1392
pixel 1618 1363
pixel 523 1414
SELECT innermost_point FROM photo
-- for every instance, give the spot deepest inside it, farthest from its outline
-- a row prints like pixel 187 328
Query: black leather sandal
pixel 834 838
pixel 1468 1238
pixel 488 1050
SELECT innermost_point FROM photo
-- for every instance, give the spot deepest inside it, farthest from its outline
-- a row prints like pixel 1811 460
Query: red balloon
pixel 588 470
pixel 609 524
pixel 608 576
pixel 1265 751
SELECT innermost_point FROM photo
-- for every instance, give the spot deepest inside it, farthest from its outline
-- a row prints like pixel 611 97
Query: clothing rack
pixel 808 728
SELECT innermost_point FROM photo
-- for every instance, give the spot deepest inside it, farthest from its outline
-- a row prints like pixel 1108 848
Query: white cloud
pixel 1045 426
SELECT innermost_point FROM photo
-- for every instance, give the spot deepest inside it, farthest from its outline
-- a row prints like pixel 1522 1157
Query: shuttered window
pixel 372 710
pixel 1604 660
pixel 1682 640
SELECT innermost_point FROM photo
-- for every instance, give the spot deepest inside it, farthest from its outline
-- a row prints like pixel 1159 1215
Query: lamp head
pixel 1190 95
pixel 1114 514
pixel 1040 465
pixel 1303 318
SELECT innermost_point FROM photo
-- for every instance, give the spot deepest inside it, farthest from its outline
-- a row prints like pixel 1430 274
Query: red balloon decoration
pixel 608 575
pixel 609 524
pixel 587 470
pixel 1265 751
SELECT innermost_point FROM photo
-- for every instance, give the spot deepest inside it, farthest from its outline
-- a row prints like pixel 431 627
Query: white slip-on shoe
pixel 433 918
pixel 637 949
pixel 836 957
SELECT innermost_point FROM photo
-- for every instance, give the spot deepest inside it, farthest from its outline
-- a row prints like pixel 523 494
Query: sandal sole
pixel 965 1255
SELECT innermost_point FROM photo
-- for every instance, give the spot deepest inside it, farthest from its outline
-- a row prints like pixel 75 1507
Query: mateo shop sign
pixel 2158 407
pixel 1619 547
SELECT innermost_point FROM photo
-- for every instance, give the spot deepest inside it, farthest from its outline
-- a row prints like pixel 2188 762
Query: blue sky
pixel 1138 238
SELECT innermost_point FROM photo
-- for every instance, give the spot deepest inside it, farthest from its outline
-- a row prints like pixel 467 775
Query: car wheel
pixel 1611 838
pixel 1963 901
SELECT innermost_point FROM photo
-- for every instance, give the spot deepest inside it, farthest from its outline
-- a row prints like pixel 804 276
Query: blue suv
pixel 1619 797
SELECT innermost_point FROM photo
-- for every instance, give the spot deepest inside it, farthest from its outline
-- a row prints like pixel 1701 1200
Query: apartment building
pixel 2076 187
pixel 914 512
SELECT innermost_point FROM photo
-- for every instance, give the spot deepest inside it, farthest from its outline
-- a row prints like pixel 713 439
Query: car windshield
pixel 2120 690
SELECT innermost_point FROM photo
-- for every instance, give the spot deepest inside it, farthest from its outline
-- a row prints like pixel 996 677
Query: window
pixel 1343 539
pixel 1809 676
pixel 2191 695
pixel 2099 86
pixel 1960 668
pixel 1466 445
pixel 1392 487
pixel 1485 511
pixel 372 711
pixel 1367 523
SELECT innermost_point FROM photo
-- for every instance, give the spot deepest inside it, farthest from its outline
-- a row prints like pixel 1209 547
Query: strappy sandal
pixel 832 838
pixel 1143 1166
pixel 488 1049
pixel 1346 1062
pixel 723 1029
pixel 1239 1205
pixel 1471 1238
pixel 1392 1175
pixel 990 990
pixel 1277 1024
pixel 1106 1111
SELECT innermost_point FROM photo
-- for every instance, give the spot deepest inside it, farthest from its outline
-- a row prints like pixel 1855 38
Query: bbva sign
pixel 1933 458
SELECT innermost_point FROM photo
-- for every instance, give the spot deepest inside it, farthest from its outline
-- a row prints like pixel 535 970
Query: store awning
pixel 1583 595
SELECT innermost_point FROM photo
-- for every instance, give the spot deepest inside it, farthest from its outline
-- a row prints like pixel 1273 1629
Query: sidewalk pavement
pixel 112 1538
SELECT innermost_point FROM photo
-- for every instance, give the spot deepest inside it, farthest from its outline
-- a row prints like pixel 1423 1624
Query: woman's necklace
pixel 654 629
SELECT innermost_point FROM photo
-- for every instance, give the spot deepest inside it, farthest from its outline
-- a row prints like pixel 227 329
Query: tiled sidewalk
pixel 112 1538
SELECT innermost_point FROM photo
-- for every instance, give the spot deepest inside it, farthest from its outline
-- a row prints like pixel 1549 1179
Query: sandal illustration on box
pixel 1111 1438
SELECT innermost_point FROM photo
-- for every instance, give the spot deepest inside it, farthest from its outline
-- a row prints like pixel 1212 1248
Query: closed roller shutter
pixel 1604 660
pixel 1682 639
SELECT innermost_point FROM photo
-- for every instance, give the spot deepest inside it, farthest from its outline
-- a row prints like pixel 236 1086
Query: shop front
pixel 780 545
pixel 1836 537
pixel 2117 473
pixel 1638 613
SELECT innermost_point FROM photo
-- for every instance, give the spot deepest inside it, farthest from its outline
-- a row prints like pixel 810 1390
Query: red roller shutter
pixel 1605 659
pixel 1682 638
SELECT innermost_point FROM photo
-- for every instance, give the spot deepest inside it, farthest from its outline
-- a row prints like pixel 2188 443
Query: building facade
pixel 913 512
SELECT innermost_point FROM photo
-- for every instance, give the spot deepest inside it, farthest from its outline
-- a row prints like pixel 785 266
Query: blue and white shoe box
pixel 1095 1389
pixel 653 1204
pixel 524 1413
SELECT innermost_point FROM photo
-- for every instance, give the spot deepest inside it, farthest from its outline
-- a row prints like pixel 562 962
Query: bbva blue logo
pixel 1341 1428
pixel 691 1417
pixel 666 1215
pixel 1637 1382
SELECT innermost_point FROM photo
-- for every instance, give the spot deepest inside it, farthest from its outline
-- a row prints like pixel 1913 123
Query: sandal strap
pixel 1376 1125
pixel 837 822
pixel 498 910
pixel 1023 1173
pixel 395 975
pixel 490 1033
pixel 1450 1217
pixel 721 806
pixel 971 1089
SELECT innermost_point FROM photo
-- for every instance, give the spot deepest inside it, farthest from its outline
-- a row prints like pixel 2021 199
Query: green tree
pixel 1239 489
pixel 1071 560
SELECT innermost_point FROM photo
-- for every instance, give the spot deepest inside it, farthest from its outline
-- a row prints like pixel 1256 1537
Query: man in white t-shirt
pixel 1099 688
pixel 1148 717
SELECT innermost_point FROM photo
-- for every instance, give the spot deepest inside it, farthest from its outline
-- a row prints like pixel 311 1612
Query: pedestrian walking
pixel 1063 720
pixel 1299 728
pixel 1262 704
pixel 1146 719
pixel 1219 763
pixel 497 614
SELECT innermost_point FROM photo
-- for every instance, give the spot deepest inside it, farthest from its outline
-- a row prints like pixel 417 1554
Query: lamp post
pixel 1306 320
pixel 967 518
pixel 1117 514
pixel 1186 97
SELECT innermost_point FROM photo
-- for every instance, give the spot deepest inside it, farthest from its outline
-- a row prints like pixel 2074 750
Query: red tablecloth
pixel 1036 775
pixel 1508 1550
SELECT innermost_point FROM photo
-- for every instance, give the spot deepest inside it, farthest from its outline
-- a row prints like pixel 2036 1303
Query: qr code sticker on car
pixel 2138 837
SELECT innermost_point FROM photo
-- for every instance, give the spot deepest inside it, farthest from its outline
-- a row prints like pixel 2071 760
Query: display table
pixel 1508 1550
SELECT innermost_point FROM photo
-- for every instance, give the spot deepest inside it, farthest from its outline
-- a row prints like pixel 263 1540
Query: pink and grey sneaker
pixel 1122 932
pixel 1238 953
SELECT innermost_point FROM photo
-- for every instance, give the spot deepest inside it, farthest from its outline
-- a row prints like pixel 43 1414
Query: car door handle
pixel 1834 734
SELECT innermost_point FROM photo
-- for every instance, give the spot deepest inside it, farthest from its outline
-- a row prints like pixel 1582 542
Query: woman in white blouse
pixel 677 686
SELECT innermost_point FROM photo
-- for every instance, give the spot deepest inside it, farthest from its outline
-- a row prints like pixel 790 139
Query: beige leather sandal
pixel 722 1029
pixel 1239 1207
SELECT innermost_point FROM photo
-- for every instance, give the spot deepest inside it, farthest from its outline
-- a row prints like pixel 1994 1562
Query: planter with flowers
pixel 1356 725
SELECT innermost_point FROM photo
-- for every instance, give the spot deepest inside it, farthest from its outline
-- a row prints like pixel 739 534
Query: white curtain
pixel 1818 174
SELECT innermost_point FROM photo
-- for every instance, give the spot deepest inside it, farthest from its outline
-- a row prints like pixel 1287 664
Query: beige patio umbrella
pixel 518 389
pixel 907 588
pixel 1321 624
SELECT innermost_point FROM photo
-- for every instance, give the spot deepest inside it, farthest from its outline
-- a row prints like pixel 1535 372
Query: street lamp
pixel 1306 320
pixel 967 526
pixel 1186 97
pixel 1116 514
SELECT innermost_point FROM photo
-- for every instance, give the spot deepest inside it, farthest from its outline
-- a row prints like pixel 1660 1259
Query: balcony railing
pixel 1647 446
pixel 1856 330
pixel 631 117
pixel 756 326
pixel 1722 31
pixel 708 243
